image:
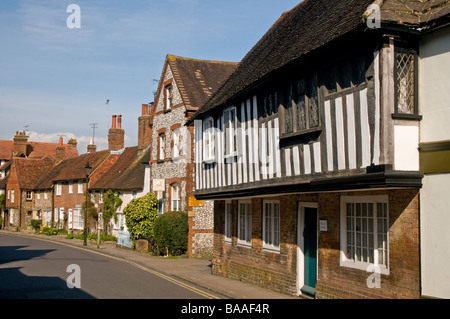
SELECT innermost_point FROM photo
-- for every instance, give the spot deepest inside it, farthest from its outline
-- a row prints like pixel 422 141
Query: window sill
pixel 209 161
pixel 365 266
pixel 405 116
pixel 244 244
pixel 274 250
pixel 303 133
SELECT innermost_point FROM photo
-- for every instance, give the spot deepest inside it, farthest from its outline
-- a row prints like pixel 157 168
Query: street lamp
pixel 87 171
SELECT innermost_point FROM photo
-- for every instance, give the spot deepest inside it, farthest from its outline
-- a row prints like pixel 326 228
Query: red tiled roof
pixel 73 169
pixel 126 174
pixel 30 170
pixel 36 149
pixel 6 149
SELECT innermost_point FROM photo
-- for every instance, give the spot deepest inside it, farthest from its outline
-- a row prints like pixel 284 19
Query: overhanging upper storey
pixel 324 101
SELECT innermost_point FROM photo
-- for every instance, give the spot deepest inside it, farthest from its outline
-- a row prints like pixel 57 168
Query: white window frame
pixel 271 226
pixel 375 200
pixel 208 139
pixel 70 187
pixel 58 189
pixel 162 146
pixel 12 197
pixel 228 221
pixel 176 135
pixel 80 187
pixel 245 223
pixel 161 202
pixel 29 195
pixel 230 128
pixel 175 197
pixel 77 219
pixel 168 89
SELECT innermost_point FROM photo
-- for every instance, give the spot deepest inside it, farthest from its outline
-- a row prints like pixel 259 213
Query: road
pixel 38 269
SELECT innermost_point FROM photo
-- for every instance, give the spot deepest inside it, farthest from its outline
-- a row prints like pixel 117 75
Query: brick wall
pixel 278 271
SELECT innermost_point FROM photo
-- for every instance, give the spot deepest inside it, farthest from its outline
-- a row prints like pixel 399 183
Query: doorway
pixel 307 248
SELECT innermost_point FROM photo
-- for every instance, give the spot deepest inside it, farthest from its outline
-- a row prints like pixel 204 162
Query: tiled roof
pixel 126 174
pixel 197 79
pixel 72 169
pixel 36 149
pixel 6 149
pixel 309 26
pixel 418 13
pixel 30 170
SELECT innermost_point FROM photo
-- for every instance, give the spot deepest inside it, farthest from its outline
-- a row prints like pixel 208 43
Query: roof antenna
pixel 107 113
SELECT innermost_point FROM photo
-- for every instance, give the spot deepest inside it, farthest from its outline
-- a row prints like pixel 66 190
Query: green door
pixel 310 250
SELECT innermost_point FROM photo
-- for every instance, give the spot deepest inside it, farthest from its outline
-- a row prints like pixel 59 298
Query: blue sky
pixel 55 80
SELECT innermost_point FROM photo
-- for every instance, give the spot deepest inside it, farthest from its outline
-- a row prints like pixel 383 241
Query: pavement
pixel 194 271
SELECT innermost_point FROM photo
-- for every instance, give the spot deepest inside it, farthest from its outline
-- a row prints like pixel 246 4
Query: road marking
pixel 151 271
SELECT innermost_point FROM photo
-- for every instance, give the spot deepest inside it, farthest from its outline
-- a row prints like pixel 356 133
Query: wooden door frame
pixel 300 242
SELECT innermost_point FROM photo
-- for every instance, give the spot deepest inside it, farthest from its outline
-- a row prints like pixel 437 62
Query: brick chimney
pixel 116 135
pixel 144 128
pixel 60 151
pixel 73 143
pixel 20 143
pixel 91 148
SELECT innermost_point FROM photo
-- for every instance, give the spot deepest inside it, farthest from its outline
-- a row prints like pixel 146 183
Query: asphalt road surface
pixel 38 269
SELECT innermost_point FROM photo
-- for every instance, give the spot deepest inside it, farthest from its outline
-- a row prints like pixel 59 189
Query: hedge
pixel 171 233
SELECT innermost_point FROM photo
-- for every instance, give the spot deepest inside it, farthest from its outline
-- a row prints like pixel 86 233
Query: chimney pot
pixel 60 141
pixel 119 121
pixel 144 109
pixel 114 120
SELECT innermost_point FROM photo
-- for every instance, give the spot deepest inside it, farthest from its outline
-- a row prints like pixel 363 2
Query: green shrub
pixel 140 215
pixel 51 231
pixel 171 233
pixel 69 236
pixel 36 224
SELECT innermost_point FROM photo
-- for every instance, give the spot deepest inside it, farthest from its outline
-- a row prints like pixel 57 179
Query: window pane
pixel 313 103
pixel 405 83
pixel 276 223
pixel 289 120
pixel 301 106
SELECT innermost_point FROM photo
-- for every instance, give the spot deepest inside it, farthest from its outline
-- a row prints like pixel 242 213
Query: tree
pixel 140 215
pixel 111 202
pixel 92 211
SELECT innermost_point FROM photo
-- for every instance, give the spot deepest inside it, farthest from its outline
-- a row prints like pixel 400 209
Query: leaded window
pixel 406 77
pixel 301 106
